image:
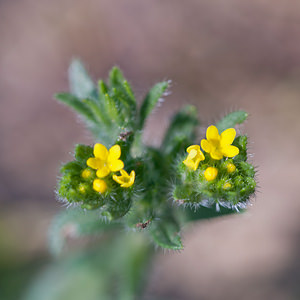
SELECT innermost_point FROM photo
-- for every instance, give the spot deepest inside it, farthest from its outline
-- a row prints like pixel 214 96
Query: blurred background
pixel 220 56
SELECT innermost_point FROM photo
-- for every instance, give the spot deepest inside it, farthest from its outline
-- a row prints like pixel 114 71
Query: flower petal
pixel 100 151
pixel 192 154
pixel 216 154
pixel 190 164
pixel 193 147
pixel 130 181
pixel 124 173
pixel 103 172
pixel 201 155
pixel 114 153
pixel 227 136
pixel 118 179
pixel 212 133
pixel 116 165
pixel 230 151
pixel 206 146
pixel 94 163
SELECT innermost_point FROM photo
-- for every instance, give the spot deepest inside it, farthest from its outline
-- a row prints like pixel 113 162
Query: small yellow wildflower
pixel 227 186
pixel 99 185
pixel 105 161
pixel 210 173
pixel 230 168
pixel 86 173
pixel 194 157
pixel 219 145
pixel 81 188
pixel 125 180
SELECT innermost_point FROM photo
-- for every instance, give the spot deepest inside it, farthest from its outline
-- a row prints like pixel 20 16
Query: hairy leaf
pixel 151 100
pixel 81 85
pixel 165 234
pixel 76 104
pixel 232 119
pixel 182 130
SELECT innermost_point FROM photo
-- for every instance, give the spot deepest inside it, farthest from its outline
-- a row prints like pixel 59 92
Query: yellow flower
pixel 211 173
pixel 99 185
pixel 195 156
pixel 125 180
pixel 86 173
pixel 219 145
pixel 230 168
pixel 105 161
pixel 227 186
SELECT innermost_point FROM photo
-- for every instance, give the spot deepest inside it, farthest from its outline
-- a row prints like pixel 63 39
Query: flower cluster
pixel 92 179
pixel 220 174
pixel 107 161
pixel 218 146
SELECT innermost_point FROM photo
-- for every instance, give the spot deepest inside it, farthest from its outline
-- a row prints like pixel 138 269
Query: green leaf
pixel 231 120
pixel 182 130
pixel 76 104
pixel 118 82
pixel 71 167
pixel 83 152
pixel 75 222
pixel 165 233
pixel 115 270
pixel 112 108
pixel 99 113
pixel 151 100
pixel 81 85
pixel 204 213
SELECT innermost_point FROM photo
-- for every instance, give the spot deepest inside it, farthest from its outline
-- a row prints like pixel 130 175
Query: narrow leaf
pixel 151 100
pixel 182 130
pixel 76 104
pixel 231 120
pixel 121 91
pixel 204 213
pixel 81 85
pixel 98 112
pixel 117 81
pixel 165 234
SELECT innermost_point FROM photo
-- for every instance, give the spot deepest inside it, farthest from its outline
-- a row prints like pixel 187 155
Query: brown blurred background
pixel 220 55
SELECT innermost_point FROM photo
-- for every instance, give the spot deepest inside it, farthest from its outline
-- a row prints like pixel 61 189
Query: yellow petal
pixel 230 151
pixel 114 153
pixel 216 154
pixel 193 147
pixel 94 163
pixel 227 136
pixel 201 155
pixel 117 179
pixel 103 172
pixel 124 173
pixel 190 164
pixel 99 185
pixel 212 133
pixel 100 151
pixel 193 153
pixel 130 181
pixel 132 175
pixel 116 165
pixel 206 146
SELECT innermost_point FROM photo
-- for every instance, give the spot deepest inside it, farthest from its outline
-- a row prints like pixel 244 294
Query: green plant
pixel 133 196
